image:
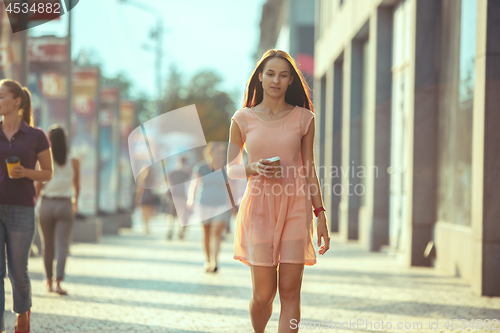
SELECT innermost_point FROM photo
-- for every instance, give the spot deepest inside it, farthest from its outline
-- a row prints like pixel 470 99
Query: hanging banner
pixel 109 150
pixel 47 81
pixel 126 184
pixel 85 134
pixel 10 49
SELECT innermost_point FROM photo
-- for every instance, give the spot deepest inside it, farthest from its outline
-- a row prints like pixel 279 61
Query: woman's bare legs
pixel 264 284
pixel 60 290
pixel 147 211
pixel 22 323
pixel 170 225
pixel 48 285
pixel 219 228
pixel 206 243
pixel 290 282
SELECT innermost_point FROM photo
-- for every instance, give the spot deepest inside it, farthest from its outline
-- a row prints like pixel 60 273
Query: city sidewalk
pixel 136 283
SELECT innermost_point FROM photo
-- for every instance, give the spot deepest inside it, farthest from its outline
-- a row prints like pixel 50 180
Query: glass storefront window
pixel 468 22
pixel 455 119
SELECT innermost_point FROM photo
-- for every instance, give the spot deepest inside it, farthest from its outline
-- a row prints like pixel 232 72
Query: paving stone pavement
pixel 137 283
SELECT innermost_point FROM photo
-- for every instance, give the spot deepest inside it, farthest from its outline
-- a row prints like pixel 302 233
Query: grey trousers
pixel 55 220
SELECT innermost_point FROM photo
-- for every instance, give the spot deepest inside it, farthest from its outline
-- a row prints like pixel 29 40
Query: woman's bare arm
pixel 76 182
pixel 76 177
pixel 307 149
pixel 236 170
pixel 45 172
pixel 193 189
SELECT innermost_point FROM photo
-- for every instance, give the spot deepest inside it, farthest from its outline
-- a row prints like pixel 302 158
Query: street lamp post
pixel 158 36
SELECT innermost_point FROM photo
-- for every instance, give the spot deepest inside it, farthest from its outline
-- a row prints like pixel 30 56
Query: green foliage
pixel 215 107
pixel 122 81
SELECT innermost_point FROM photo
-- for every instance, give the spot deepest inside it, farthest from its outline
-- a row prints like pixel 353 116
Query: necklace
pixel 274 114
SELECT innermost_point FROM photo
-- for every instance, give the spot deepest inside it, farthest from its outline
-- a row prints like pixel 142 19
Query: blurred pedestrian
pixel 22 145
pixel 58 206
pixel 146 197
pixel 208 197
pixel 179 176
pixel 274 227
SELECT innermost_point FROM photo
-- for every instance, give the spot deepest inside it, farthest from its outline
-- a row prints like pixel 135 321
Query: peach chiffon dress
pixel 275 218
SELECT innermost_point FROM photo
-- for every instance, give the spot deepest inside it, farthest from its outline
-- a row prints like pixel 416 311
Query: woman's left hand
pixel 190 204
pixel 17 172
pixel 322 232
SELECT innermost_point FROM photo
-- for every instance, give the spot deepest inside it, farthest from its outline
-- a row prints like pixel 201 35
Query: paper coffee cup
pixel 11 162
pixel 275 161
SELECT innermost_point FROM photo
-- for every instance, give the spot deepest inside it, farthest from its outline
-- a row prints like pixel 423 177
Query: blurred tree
pixel 145 108
pixel 174 90
pixel 215 107
pixel 122 81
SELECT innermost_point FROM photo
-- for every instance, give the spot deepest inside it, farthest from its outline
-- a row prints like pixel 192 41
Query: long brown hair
pixel 296 94
pixel 57 137
pixel 19 91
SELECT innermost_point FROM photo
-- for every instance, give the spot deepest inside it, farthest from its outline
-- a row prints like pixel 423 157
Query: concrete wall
pixel 365 135
pixel 374 228
pixel 346 22
pixel 473 253
pixel 357 67
pixel 485 152
pixel 470 253
pixel 422 172
pixel 341 58
pixel 454 250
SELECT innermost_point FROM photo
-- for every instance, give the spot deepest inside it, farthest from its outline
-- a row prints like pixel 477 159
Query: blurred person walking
pixel 207 196
pixel 274 228
pixel 58 206
pixel 180 175
pixel 146 197
pixel 23 145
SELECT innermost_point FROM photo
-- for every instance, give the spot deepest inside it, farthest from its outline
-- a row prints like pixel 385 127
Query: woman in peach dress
pixel 274 228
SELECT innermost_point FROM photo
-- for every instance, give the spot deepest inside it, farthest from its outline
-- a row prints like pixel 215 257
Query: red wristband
pixel 319 209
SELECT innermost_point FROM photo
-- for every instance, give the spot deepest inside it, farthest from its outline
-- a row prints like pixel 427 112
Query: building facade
pixel 407 96
pixel 289 25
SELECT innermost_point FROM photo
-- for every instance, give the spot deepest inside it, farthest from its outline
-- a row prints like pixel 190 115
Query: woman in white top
pixel 57 208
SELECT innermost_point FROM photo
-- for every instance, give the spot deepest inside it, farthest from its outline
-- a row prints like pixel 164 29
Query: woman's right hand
pixel 264 168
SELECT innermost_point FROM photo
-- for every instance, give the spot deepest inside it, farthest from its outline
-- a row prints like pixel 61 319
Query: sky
pixel 219 34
